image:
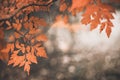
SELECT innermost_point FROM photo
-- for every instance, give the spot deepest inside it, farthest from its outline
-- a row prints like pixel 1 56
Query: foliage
pixel 25 44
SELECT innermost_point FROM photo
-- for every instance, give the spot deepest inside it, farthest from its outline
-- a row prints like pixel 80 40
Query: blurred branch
pixel 23 7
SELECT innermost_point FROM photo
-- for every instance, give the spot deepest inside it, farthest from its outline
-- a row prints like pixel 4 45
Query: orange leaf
pixel 28 25
pixel 63 7
pixel 22 64
pixel 17 26
pixel 102 27
pixel 17 45
pixel 34 31
pixel 28 48
pixel 41 38
pixel 31 57
pixel 23 49
pixel 65 19
pixel 94 24
pixel 108 31
pixel 86 20
pixel 17 35
pixel 42 22
pixel 5 52
pixel 41 52
pixel 79 3
pixel 11 38
pixel 27 67
pixel 8 23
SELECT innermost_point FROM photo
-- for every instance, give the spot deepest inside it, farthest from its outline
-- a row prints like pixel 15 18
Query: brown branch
pixel 23 7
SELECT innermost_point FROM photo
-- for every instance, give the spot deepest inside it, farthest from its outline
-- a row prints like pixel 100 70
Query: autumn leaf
pixel 16 35
pixel 8 23
pixel 86 20
pixel 20 46
pixel 102 27
pixel 31 57
pixel 63 7
pixel 18 60
pixel 94 24
pixel 22 64
pixel 42 22
pixel 76 4
pixel 13 58
pixel 11 38
pixel 4 53
pixel 41 52
pixel 41 38
pixel 108 31
pixel 94 14
pixel 33 31
pixel 28 25
pixel 28 49
pixel 27 67
pixel 25 43
pixel 17 26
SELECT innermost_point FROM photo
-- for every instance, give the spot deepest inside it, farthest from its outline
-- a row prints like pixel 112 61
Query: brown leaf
pixel 102 27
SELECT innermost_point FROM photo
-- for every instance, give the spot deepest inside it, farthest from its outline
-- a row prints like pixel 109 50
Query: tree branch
pixel 23 7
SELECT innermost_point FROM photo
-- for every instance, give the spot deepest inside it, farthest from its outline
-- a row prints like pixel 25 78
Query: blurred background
pixel 74 55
